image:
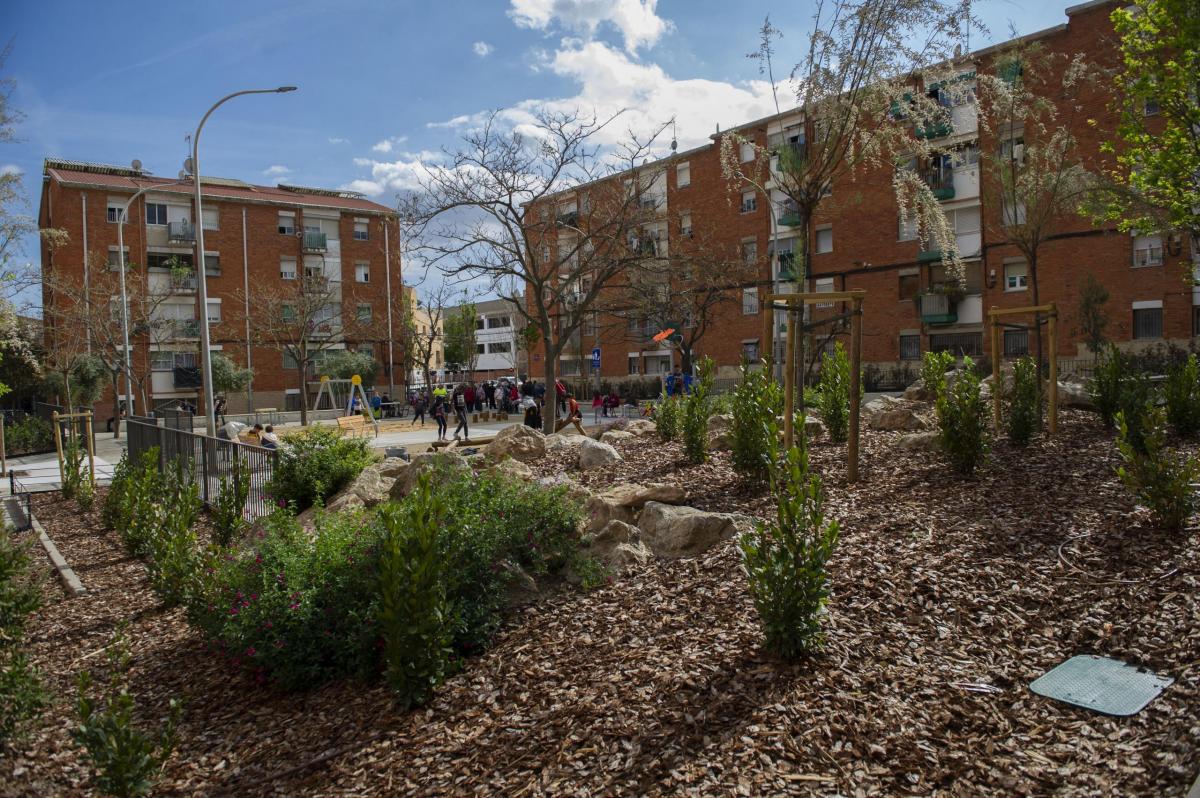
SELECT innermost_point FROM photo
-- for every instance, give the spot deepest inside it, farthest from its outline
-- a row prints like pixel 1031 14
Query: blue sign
pixel 596 358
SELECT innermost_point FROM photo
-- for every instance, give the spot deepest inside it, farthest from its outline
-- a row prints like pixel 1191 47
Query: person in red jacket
pixel 469 396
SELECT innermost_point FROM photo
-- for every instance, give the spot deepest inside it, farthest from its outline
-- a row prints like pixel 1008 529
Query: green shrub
pixel 1135 397
pixel 314 466
pixel 114 508
pixel 172 555
pixel 757 400
pixel 666 417
pixel 1161 478
pixel 1182 392
pixel 21 693
pixel 934 366
pixel 834 401
pixel 962 419
pixel 228 512
pixel 141 507
pixel 30 434
pixel 1105 385
pixel 415 616
pixel 786 559
pixel 77 482
pixel 695 411
pixel 1023 416
pixel 128 761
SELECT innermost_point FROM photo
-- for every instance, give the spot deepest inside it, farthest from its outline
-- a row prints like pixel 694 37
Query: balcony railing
pixel 183 283
pixel 314 242
pixel 929 256
pixel 181 232
pixel 936 308
pixel 940 182
pixel 933 130
pixel 185 328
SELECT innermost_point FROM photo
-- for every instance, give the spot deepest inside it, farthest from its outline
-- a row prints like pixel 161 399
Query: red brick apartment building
pixel 255 236
pixel 859 241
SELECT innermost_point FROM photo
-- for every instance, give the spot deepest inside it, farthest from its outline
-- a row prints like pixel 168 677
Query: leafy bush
pixel 29 435
pixel 933 372
pixel 1161 478
pixel 1134 400
pixel 127 759
pixel 314 466
pixel 1182 392
pixel 141 504
pixel 1023 412
pixel 228 510
pixel 21 694
pixel 114 510
pixel 77 482
pixel 1105 385
pixel 834 402
pixel 172 556
pixel 757 400
pixel 962 419
pixel 666 417
pixel 415 616
pixel 785 560
pixel 695 411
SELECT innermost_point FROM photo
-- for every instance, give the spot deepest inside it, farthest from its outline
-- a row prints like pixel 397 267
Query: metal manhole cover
pixel 1101 684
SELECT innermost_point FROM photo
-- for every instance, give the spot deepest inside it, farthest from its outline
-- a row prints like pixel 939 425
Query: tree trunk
pixel 116 408
pixel 303 393
pixel 1037 317
pixel 550 402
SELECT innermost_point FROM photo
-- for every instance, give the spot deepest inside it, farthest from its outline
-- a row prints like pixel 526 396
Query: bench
pixel 353 426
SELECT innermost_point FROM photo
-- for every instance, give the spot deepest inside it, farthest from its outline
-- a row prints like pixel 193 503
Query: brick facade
pixel 250 249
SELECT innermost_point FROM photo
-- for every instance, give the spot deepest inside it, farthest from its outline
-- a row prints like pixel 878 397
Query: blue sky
pixel 380 82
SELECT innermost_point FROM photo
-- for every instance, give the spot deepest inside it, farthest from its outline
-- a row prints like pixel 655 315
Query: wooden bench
pixel 353 426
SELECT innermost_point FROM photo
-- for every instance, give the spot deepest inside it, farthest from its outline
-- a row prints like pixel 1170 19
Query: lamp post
pixel 205 355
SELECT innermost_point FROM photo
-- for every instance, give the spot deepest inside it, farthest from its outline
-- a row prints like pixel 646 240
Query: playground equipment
pixel 1051 311
pixel 342 393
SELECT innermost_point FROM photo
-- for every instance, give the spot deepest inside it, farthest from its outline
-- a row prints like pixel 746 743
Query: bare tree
pixel 546 207
pixel 422 321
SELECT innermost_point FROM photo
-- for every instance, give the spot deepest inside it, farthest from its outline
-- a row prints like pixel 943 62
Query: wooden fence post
pixel 997 380
pixel 855 387
pixel 789 383
pixel 1052 334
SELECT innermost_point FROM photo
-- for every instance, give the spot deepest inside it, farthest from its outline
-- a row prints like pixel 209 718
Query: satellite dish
pixel 182 174
pixel 187 166
pixel 137 165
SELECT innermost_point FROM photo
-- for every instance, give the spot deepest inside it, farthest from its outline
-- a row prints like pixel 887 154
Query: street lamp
pixel 206 356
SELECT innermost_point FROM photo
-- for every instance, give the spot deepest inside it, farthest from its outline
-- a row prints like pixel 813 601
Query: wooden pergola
pixel 1051 311
pixel 791 303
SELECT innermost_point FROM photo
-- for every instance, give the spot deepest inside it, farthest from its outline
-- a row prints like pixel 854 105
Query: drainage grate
pixel 1101 684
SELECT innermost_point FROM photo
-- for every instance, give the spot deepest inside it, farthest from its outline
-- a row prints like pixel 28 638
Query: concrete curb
pixel 67 576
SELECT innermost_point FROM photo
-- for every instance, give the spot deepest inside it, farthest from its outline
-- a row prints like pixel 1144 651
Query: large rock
pixel 594 454
pixel 1075 394
pixel 672 531
pixel 627 555
pixel 880 403
pixel 894 417
pixel 636 496
pixel 518 442
pixel 368 489
pixel 563 440
pixel 514 469
pixel 392 467
pixel 720 422
pixel 600 511
pixel 813 427
pixel 452 464
pixel 721 441
pixel 919 441
pixel 615 435
pixel 641 427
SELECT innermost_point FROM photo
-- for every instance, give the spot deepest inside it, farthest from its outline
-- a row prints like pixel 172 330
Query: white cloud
pixel 635 19
pixel 338 140
pixel 388 177
pixel 388 144
pixel 11 169
pixel 483 49
pixel 276 170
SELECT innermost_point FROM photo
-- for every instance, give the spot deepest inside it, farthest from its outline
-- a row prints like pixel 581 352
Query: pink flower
pixel 250 652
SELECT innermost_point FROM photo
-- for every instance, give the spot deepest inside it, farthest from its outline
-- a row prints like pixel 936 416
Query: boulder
pixel 895 417
pixel 1075 394
pixel 880 403
pixel 626 555
pixel 594 454
pixel 917 391
pixel 511 468
pixel 672 531
pixel 720 422
pixel 562 440
pixel 614 435
pixel 392 467
pixel 636 496
pixel 610 535
pixel 813 427
pixel 450 462
pixel 600 511
pixel 641 428
pixel 518 442
pixel 720 442
pixel 920 441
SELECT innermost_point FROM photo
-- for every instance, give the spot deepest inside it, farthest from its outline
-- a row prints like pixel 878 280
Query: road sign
pixel 596 358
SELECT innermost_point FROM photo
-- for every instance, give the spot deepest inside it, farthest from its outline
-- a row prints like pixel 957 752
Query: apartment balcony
pixel 933 130
pixel 314 242
pixel 184 377
pixel 570 219
pixel 940 182
pixel 936 308
pixel 181 233
pixel 185 328
pixel 183 283
pixel 929 256
pixel 314 283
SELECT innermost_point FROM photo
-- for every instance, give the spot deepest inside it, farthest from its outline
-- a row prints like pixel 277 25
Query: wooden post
pixel 58 445
pixel 997 380
pixel 91 448
pixel 855 371
pixel 767 345
pixel 1052 335
pixel 789 383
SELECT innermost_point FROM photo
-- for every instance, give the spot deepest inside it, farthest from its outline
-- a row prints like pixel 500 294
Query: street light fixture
pixel 205 355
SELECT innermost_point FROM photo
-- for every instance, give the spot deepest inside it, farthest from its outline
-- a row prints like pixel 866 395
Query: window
pixel 212 264
pixel 749 301
pixel 685 225
pixel 287 224
pixel 211 218
pixel 288 312
pixel 366 349
pixel 1016 276
pixel 569 368
pixel 1016 343
pixel 1147 251
pixel 750 351
pixel 823 285
pixel 363 314
pixel 910 347
pixel 167 260
pixel 587 327
pixel 156 213
pixel 499 322
pixel 162 361
pixel 287 268
pixel 1150 106
pixel 1196 320
pixel 114 259
pixel 1013 149
pixel 115 208
pixel 480 323
pixel 362 272
pixel 824 239
pixel 361 230
pixel 634 362
pixel 750 251
pixel 910 285
pixel 1147 320
pixel 1011 216
pixel 747 152
pixel 500 347
pixel 907 228
pixel 545 254
pixel 214 311
pixel 957 344
pixel 290 362
pixel 480 349
pixel 966 156
pixel 683 175
pixel 749 201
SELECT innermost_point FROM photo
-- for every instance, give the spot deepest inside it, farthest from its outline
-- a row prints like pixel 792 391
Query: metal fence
pixel 208 460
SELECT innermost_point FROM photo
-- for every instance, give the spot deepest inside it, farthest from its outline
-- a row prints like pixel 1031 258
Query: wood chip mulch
pixel 950 596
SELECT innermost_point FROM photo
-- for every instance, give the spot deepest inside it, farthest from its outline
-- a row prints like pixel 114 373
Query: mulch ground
pixel 950 596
